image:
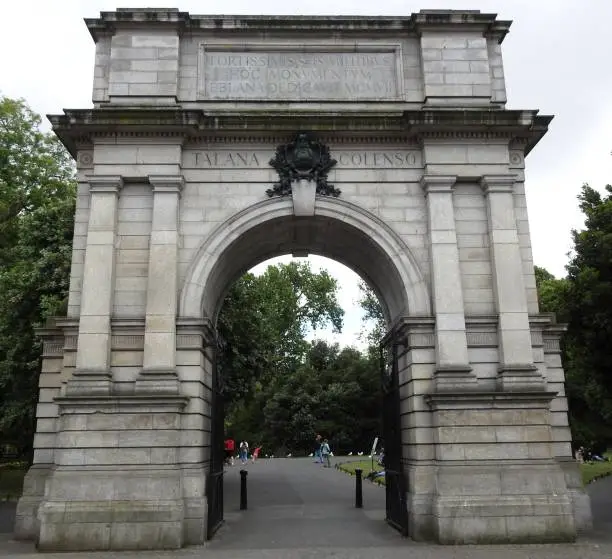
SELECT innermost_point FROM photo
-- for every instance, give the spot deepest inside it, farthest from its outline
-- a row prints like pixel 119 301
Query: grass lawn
pixel 11 481
pixel 365 465
pixel 595 470
pixel 590 471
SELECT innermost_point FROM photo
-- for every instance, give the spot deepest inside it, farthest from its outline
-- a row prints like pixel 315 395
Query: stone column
pixel 453 370
pixel 517 370
pixel 159 365
pixel 92 373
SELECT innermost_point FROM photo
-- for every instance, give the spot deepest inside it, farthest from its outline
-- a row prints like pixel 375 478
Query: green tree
pixel 37 195
pixel 373 316
pixel 552 294
pixel 587 350
pixel 333 392
pixel 264 321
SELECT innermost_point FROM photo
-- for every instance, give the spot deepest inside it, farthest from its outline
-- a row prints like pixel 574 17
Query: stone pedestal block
pixel 497 480
pixel 520 378
pixel 89 383
pixel 132 512
pixel 579 498
pixel 157 381
pixel 27 524
pixel 116 482
pixel 452 378
pixel 487 519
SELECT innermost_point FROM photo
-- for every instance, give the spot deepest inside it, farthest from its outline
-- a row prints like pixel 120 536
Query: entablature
pixel 81 127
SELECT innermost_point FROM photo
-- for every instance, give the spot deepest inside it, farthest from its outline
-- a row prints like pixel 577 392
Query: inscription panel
pixel 309 73
pixel 259 159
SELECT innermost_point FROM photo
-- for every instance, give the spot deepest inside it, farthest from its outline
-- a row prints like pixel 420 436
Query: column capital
pixel 438 183
pixel 105 183
pixel 167 183
pixel 498 183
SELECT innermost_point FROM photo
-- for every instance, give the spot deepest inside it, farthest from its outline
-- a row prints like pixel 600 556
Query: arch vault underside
pixel 411 173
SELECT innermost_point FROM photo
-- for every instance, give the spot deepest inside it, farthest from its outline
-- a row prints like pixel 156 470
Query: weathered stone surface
pixel 173 167
pixel 257 72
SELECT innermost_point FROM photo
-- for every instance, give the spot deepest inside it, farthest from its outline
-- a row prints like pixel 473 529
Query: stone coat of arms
pixel 305 158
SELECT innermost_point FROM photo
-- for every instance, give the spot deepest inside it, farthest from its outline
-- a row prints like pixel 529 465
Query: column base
pixel 454 377
pixel 27 524
pixel 111 525
pixel 579 498
pixel 86 382
pixel 196 504
pixel 493 519
pixel 116 483
pixel 157 381
pixel 520 378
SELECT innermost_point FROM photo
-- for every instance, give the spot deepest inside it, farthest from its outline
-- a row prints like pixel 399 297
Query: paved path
pixel 298 510
pixel 294 503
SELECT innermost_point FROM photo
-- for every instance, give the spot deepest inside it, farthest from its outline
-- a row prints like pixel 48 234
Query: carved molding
pixel 85 159
pixel 552 345
pixel 482 338
pixel 70 343
pixel 340 138
pixel 536 338
pixel 53 348
pixel 421 340
pixel 190 341
pixel 134 342
pixel 75 127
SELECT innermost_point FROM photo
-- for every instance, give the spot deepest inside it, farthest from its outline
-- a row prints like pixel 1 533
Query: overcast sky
pixel 557 58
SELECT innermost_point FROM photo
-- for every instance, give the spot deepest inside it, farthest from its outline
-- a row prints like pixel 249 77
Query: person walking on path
pixel 229 451
pixel 317 453
pixel 244 452
pixel 325 452
pixel 255 454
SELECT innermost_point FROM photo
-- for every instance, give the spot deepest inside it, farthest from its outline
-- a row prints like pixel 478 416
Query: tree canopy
pixel 588 304
pixel 264 319
pixel 583 300
pixel 281 389
pixel 37 196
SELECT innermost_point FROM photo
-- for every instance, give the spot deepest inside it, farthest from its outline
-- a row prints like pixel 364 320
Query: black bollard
pixel 243 489
pixel 358 489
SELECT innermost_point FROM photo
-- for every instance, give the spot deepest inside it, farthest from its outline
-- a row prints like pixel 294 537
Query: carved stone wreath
pixel 305 158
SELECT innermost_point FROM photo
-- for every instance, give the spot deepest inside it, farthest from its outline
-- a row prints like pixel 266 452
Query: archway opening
pixel 340 231
pixel 294 366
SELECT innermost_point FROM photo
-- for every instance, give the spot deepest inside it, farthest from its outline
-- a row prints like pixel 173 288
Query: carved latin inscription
pixel 298 74
pixel 256 159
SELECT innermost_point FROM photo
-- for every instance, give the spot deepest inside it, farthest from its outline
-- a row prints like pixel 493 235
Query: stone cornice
pixel 498 183
pixel 438 183
pixel 77 126
pixel 448 400
pixel 167 183
pixel 415 24
pixel 105 183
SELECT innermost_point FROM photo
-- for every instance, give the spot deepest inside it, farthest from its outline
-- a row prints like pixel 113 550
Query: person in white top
pixel 244 452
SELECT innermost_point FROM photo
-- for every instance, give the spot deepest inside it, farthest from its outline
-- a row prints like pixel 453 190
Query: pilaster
pixel 452 362
pixel 159 360
pixel 517 370
pixel 92 374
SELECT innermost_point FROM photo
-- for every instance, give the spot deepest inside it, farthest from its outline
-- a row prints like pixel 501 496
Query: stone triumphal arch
pixel 216 142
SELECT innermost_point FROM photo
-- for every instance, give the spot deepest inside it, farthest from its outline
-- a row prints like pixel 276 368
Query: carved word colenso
pixel 300 75
pixel 252 159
